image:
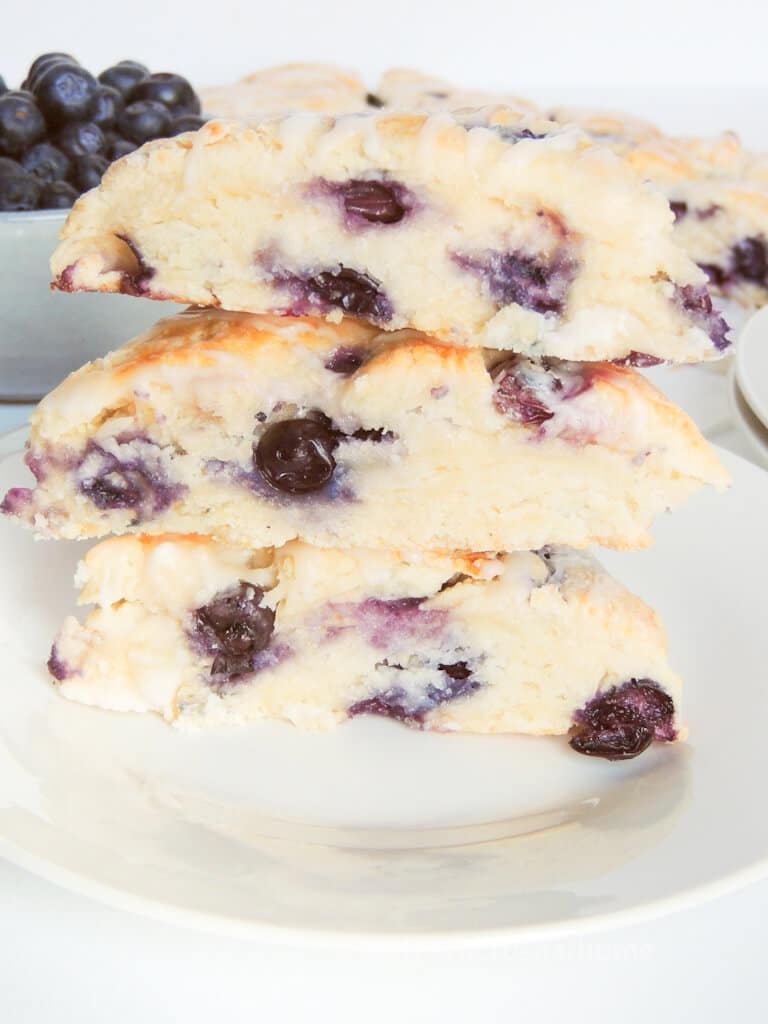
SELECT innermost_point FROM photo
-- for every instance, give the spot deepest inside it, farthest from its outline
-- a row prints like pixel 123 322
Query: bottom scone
pixel 530 642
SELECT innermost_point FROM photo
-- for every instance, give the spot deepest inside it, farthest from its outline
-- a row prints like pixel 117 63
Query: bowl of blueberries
pixel 58 134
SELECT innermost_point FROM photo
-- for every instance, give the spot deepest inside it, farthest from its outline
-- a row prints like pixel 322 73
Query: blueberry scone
pixel 265 429
pixel 318 88
pixel 479 228
pixel 531 642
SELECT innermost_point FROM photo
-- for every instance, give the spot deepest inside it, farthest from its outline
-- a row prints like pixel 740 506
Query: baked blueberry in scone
pixel 479 227
pixel 264 429
pixel 532 642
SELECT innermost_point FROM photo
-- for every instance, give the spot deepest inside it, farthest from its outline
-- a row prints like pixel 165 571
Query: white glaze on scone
pixel 501 233
pixel 530 638
pixel 435 447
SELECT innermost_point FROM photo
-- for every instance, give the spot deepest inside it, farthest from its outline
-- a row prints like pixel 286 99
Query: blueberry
pixel 57 195
pixel 351 291
pixel 186 123
pixel 295 456
pixel 81 138
pixel 233 627
pixel 173 91
pixel 623 721
pixel 120 147
pixel 46 162
pixel 750 260
pixel 374 201
pixel 144 120
pixel 109 104
pixel 88 171
pixel 18 189
pixel 678 208
pixel 345 360
pixel 126 481
pixel 21 123
pixel 65 93
pixel 124 76
pixel 39 63
pixel 528 391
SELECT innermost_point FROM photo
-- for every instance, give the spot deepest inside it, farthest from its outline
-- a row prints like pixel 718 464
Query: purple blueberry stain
pixel 352 291
pixel 537 282
pixel 17 501
pixel 135 282
pixel 58 667
pixel 133 479
pixel 233 629
pixel 623 721
pixel 454 681
pixel 696 302
pixel 639 360
pixel 382 622
pixel 529 391
pixel 366 202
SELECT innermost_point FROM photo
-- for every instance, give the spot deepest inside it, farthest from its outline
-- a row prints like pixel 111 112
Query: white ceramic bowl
pixel 44 334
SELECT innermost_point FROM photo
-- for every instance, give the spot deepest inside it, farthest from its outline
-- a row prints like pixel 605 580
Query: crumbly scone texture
pixel 479 228
pixel 433 446
pixel 718 190
pixel 516 643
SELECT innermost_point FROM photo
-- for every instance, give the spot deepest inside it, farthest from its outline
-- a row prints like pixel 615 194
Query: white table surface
pixel 65 958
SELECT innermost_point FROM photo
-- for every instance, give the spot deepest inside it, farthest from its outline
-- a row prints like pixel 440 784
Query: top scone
pixel 481 228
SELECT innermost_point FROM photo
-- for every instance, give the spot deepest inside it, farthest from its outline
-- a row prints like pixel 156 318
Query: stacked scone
pixel 360 485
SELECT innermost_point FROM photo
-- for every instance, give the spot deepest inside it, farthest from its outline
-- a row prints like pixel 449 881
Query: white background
pixel 691 66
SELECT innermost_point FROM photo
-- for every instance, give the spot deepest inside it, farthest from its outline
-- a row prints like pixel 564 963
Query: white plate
pixel 752 364
pixel 753 431
pixel 380 834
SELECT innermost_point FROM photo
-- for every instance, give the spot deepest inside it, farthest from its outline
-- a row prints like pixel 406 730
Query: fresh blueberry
pixel 623 721
pixel 57 195
pixel 124 76
pixel 233 627
pixel 66 93
pixel 120 147
pixel 109 104
pixel 186 123
pixel 37 65
pixel 536 282
pixel 173 91
pixel 46 162
pixel 144 120
pixel 88 171
pixel 750 260
pixel 296 456
pixel 374 201
pixel 80 139
pixel 18 189
pixel 21 123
